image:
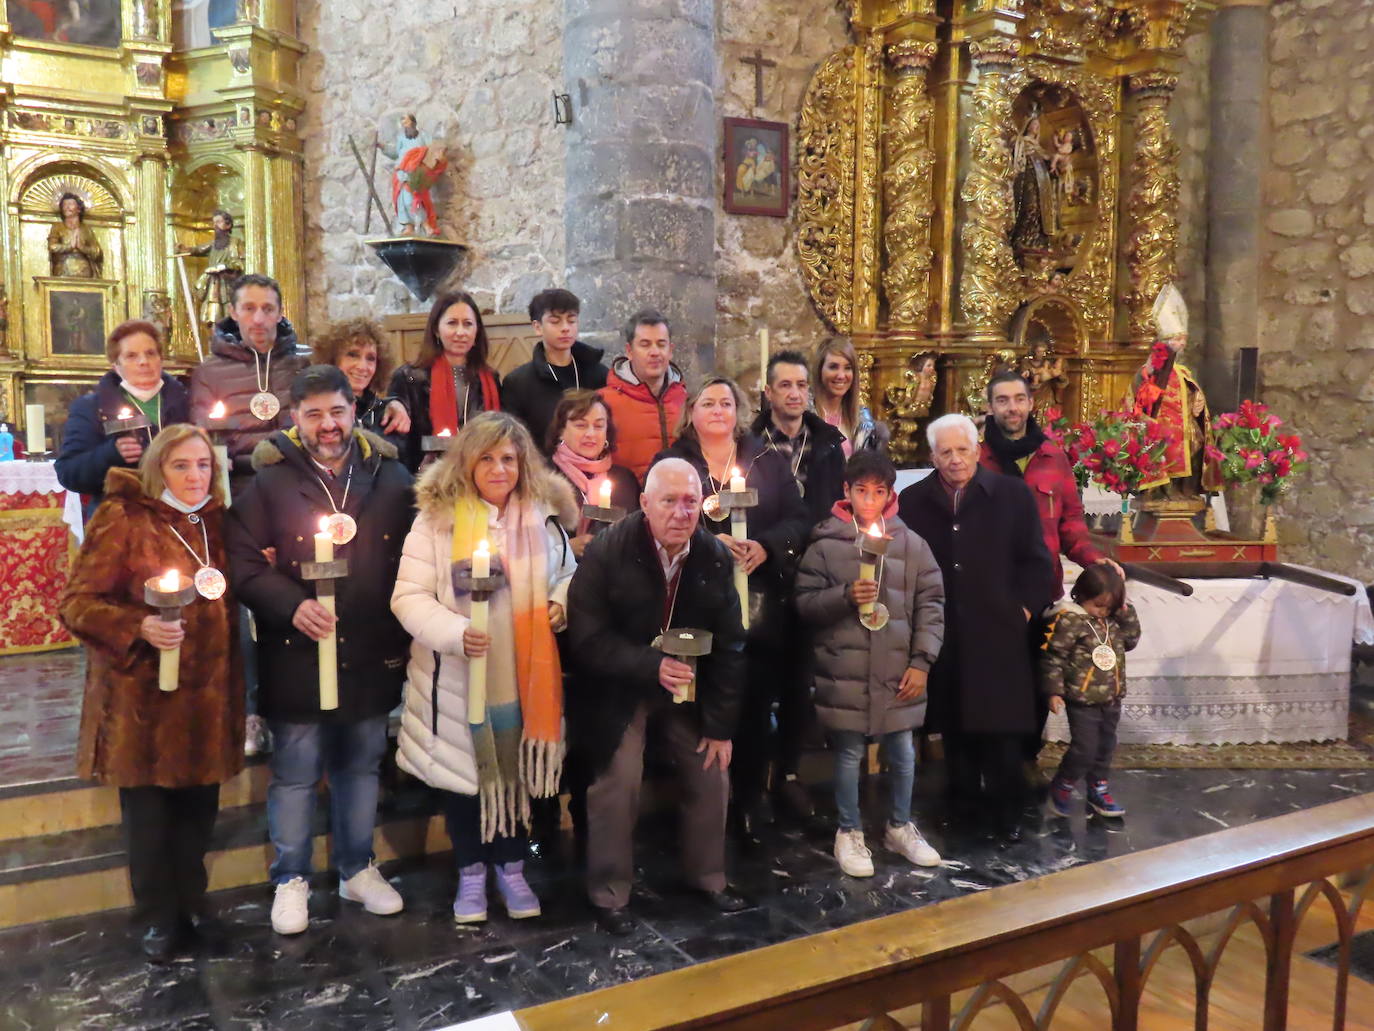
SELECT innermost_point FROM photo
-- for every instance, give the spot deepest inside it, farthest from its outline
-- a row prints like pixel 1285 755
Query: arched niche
pixel 200 189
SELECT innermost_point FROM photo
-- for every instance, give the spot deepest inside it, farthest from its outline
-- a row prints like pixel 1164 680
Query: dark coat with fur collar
pixel 281 509
pixel 133 734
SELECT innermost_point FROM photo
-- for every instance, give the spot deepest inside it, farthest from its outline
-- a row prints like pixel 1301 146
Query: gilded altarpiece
pixel 100 105
pixel 986 186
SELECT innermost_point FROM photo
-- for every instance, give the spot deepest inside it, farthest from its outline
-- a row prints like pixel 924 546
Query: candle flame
pixel 605 493
pixel 169 582
pixel 217 410
pixel 324 526
pixel 872 531
pixel 125 413
pixel 445 432
pixel 483 548
pixel 734 472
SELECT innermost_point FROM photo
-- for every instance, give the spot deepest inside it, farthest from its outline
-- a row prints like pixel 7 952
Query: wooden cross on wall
pixel 760 63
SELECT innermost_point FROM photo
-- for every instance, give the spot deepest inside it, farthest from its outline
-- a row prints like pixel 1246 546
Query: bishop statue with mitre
pixel 1166 390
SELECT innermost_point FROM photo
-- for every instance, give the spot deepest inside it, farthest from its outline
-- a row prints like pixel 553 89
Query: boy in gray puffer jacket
pixel 871 683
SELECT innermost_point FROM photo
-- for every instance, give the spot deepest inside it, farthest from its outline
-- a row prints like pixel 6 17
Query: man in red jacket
pixel 644 392
pixel 1014 445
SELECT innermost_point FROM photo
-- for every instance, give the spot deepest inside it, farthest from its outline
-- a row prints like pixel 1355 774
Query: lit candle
pixel 34 439
pixel 739 529
pixel 125 413
pixel 445 432
pixel 329 645
pixel 478 619
pixel 217 410
pixel 606 493
pixel 168 585
pixel 868 569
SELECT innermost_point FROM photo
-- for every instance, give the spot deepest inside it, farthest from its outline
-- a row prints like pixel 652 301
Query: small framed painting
pixel 78 313
pixel 756 165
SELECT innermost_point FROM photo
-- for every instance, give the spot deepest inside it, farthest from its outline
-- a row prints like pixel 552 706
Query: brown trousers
pixel 613 806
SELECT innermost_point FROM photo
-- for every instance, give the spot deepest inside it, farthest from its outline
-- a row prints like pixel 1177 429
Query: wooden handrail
pixel 884 965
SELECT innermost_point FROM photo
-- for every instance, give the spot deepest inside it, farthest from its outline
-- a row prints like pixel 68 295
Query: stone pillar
pixel 641 168
pixel 1236 157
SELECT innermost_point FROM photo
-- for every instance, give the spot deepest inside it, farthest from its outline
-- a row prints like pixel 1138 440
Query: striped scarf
pixel 519 748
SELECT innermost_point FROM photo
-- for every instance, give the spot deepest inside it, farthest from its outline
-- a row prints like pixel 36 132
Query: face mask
pixel 170 499
pixel 143 395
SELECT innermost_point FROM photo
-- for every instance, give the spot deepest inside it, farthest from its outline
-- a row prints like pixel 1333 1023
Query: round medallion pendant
pixel 877 619
pixel 711 506
pixel 1104 658
pixel 341 528
pixel 264 406
pixel 210 583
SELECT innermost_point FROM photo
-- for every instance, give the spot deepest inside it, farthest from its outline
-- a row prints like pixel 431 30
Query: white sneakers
pixel 369 887
pixel 906 841
pixel 291 906
pixel 856 859
pixel 852 854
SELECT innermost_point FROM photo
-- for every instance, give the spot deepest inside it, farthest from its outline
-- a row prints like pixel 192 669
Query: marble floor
pixel 418 970
pixel 40 709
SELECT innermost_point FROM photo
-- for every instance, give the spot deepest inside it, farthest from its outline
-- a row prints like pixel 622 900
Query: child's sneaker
pixel 906 841
pixel 1061 797
pixel 1101 802
pixel 853 855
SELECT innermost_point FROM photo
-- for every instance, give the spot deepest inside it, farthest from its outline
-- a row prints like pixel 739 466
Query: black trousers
pixel 1035 741
pixel 463 817
pixel 770 676
pixel 986 765
pixel 168 831
pixel 1092 741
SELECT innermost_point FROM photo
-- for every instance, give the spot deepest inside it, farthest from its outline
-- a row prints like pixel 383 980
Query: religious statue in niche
pixel 1165 389
pixel 419 164
pixel 975 396
pixel 226 265
pixel 1047 374
pixel 909 403
pixel 4 320
pixel 72 248
pixel 1053 171
pixel 157 309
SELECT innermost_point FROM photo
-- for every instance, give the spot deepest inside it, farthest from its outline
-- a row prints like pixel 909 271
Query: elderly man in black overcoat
pixel 984 529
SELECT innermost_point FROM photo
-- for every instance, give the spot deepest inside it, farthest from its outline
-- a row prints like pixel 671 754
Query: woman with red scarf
pixel 581 439
pixel 450 382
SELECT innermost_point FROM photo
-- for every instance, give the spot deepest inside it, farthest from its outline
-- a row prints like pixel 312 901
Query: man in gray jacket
pixel 876 635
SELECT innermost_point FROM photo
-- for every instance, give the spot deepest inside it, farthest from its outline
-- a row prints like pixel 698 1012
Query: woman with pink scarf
pixel 581 437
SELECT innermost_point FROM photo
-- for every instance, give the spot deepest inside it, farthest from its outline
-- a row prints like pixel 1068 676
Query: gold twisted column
pixel 987 287
pixel 908 186
pixel 866 189
pixel 1152 205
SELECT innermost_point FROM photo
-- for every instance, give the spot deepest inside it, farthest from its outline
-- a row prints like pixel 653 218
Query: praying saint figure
pixel 418 167
pixel 72 248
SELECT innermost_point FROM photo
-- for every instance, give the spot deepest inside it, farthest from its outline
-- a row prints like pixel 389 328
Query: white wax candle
pixel 737 483
pixel 868 570
pixel 168 659
pixel 34 437
pixel 606 493
pixel 739 529
pixel 222 460
pixel 328 646
pixel 478 620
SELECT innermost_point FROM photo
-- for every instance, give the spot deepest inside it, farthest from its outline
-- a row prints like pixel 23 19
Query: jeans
pixel 899 749
pixel 351 753
pixel 1092 742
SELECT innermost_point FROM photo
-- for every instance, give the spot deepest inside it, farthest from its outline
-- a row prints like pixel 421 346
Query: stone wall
pixel 479 75
pixel 758 279
pixel 1189 119
pixel 1316 335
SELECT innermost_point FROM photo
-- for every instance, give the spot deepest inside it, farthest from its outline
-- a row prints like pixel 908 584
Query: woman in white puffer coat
pixel 491 485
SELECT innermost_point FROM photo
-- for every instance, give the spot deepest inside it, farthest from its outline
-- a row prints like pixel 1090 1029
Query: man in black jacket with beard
pixel 320 467
pixel 560 363
pixel 654 570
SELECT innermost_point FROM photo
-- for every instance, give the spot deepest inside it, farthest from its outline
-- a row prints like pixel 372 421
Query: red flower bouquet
pixel 1251 448
pixel 1120 450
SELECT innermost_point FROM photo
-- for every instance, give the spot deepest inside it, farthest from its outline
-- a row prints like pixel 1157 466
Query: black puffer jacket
pixel 779 522
pixel 281 509
pixel 531 392
pixel 410 386
pixel 616 608
pixel 824 468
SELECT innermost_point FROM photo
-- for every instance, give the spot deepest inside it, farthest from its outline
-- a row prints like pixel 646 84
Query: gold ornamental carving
pixel 866 230
pixel 825 188
pixel 990 268
pixel 1152 205
pixel 908 186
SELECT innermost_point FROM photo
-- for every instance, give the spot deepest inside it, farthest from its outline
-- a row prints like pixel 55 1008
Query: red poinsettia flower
pixel 1253 459
pixel 1214 453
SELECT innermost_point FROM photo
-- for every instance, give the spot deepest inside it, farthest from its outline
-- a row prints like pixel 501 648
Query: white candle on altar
pixel 606 493
pixel 328 645
pixel 168 659
pixel 34 437
pixel 477 620
pixel 868 569
pixel 739 529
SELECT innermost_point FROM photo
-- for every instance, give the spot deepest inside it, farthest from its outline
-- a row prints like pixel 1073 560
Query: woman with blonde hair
pixel 491 486
pixel 166 751
pixel 836 390
pixel 361 350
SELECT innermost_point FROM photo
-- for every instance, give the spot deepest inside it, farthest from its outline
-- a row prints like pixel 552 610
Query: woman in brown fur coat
pixel 167 752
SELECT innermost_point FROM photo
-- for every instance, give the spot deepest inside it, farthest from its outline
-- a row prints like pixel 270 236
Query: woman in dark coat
pixel 581 439
pixel 998 574
pixel 450 381
pixel 134 384
pixel 167 751
pixel 360 348
pixel 712 437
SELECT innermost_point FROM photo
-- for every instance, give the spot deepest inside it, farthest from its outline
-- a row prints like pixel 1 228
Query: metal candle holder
pixel 687 644
pixel 875 546
pixel 213 426
pixel 741 499
pixel 480 587
pixel 324 574
pixel 114 427
pixel 433 443
pixel 169 605
pixel 603 514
